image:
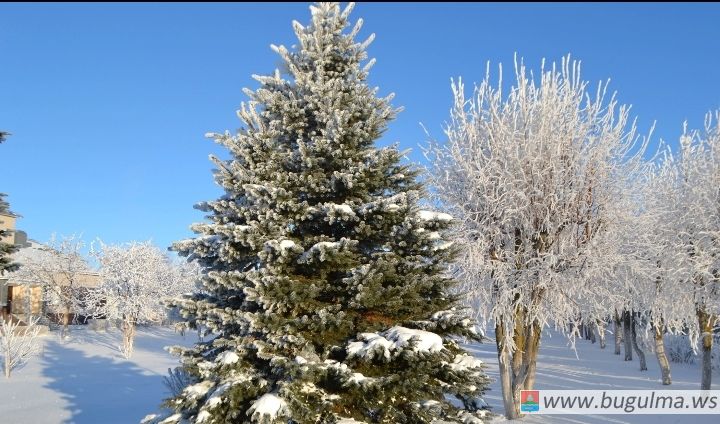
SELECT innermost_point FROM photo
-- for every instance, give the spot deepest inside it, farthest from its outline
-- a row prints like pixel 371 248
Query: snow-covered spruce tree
pixel 325 282
pixel 532 175
pixel 6 249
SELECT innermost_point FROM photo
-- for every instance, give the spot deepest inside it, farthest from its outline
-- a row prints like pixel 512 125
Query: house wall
pixel 17 291
pixel 19 299
pixel 13 292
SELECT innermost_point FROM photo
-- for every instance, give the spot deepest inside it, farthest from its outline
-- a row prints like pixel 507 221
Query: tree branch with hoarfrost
pixel 59 268
pixel 18 342
pixel 687 204
pixel 649 259
pixel 136 279
pixel 534 176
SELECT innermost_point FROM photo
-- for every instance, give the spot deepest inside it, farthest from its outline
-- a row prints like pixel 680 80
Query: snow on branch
pixel 533 176
pixel 18 342
pixel 268 408
pixel 395 339
pixel 136 279
pixel 434 216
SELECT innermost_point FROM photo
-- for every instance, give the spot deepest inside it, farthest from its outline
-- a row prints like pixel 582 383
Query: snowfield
pixel 86 380
pixel 593 369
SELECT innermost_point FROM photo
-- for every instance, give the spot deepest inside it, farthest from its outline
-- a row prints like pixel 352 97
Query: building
pixel 22 294
pixel 7 223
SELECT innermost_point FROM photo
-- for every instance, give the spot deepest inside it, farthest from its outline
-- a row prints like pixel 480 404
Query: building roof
pixel 36 252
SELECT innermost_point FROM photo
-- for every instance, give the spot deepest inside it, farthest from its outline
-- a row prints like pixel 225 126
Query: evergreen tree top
pixel 4 205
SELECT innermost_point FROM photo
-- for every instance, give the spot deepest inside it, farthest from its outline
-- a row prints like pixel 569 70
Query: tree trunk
pixel 661 357
pixel 532 346
pixel 513 381
pixel 65 320
pixel 601 333
pixel 520 340
pixel 505 364
pixel 627 335
pixel 640 353
pixel 706 332
pixel 618 333
pixel 28 304
pixel 7 364
pixel 128 337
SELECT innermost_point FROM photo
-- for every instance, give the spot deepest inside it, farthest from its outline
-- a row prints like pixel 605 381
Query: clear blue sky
pixel 108 103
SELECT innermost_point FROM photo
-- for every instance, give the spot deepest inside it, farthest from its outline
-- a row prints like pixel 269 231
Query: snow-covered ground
pixel 85 380
pixel 594 369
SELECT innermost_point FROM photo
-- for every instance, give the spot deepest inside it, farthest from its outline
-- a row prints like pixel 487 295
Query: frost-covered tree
pixel 532 176
pixel 60 269
pixel 136 278
pixel 652 288
pixel 688 206
pixel 632 273
pixel 325 283
pixel 18 342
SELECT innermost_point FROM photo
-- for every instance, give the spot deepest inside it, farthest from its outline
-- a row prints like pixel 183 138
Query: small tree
pixel 136 279
pixel 531 175
pixel 61 271
pixel 17 343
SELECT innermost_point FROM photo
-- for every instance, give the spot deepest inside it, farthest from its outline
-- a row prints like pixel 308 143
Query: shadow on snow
pixel 100 389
